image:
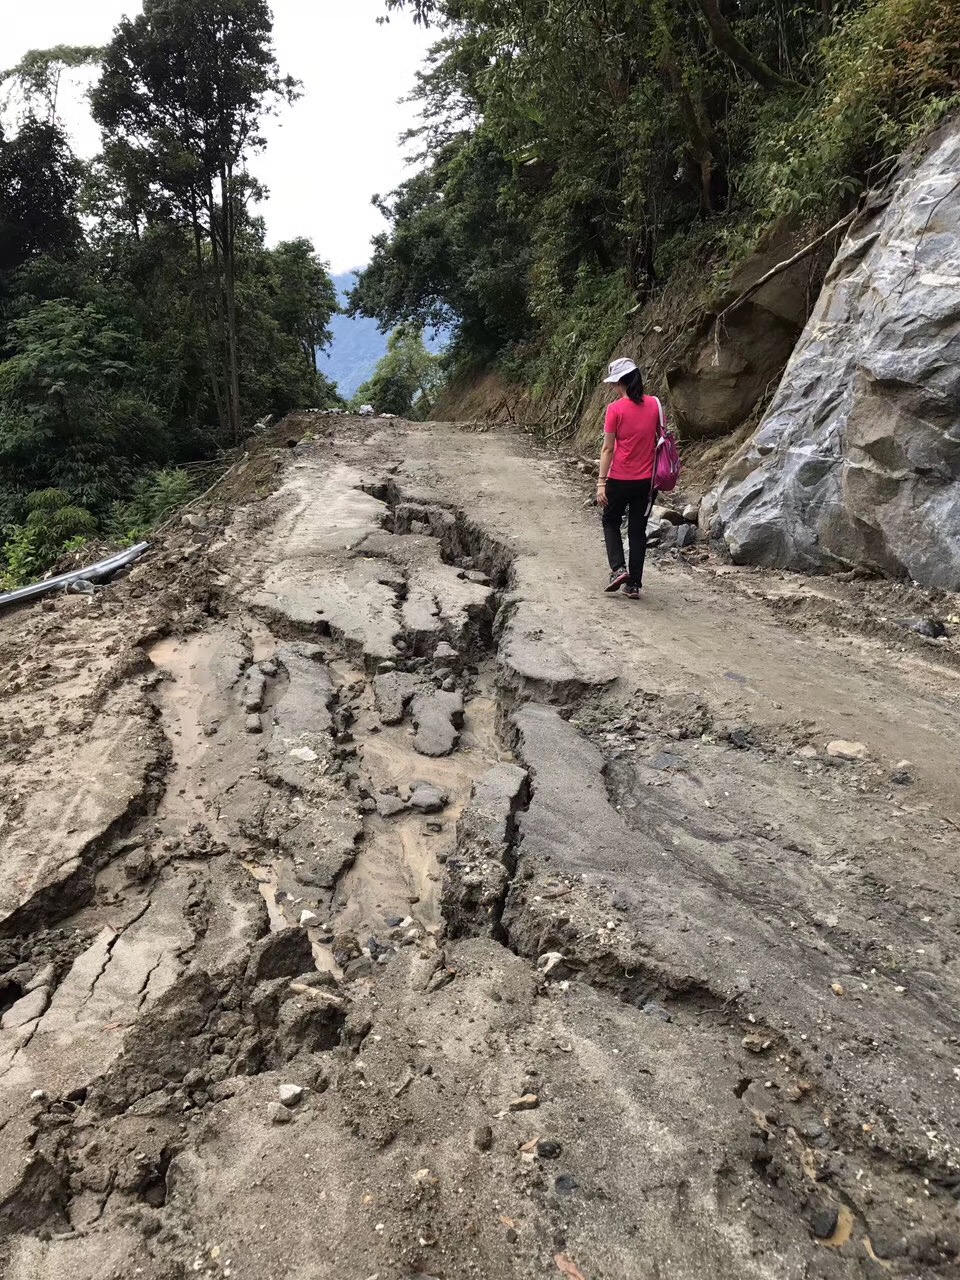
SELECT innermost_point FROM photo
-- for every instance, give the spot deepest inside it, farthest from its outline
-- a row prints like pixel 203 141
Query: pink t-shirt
pixel 634 428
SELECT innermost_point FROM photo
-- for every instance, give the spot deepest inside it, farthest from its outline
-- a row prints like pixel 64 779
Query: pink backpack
pixel 666 465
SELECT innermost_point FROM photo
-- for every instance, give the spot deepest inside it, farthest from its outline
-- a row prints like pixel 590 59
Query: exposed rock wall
pixel 857 460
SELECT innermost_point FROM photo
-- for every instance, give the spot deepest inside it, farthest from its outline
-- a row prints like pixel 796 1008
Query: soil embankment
pixel 381 899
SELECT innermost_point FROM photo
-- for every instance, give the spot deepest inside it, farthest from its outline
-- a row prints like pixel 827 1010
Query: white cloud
pixel 328 153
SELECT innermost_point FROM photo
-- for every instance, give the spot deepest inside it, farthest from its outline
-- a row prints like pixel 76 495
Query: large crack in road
pixel 424 918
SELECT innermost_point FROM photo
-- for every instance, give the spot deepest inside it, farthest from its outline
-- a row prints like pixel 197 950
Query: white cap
pixel 618 369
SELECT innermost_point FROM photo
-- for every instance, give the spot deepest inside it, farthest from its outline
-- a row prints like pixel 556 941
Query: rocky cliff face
pixel 857 460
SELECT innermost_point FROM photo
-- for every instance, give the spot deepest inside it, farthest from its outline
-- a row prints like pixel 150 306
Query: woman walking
pixel 626 474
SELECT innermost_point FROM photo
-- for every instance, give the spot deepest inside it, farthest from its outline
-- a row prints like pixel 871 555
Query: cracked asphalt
pixel 585 953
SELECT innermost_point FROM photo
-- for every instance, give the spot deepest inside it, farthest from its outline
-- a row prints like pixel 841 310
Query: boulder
pixel 856 462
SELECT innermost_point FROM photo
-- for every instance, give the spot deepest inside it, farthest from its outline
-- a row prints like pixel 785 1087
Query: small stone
pixel 654 1010
pixel 808 753
pixel 384 667
pixel 138 865
pixel 842 750
pixel 548 1150
pixel 304 755
pixel 278 1113
pixel 691 513
pixel 474 575
pixel 755 1043
pixel 389 806
pixel 309 918
pixel 37 1096
pixel 837 988
pixel 427 799
pixel 434 827
pixel 252 723
pixel 686 535
pixel 268 668
pixel 824 1222
pixel 565 1184
pixel 291 1094
pixel 449 685
pixel 446 654
pixel 527 1102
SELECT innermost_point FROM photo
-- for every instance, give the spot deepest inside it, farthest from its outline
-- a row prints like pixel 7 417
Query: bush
pixel 155 496
pixel 53 525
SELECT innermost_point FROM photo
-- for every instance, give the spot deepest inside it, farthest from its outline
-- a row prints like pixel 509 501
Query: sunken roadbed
pixel 379 899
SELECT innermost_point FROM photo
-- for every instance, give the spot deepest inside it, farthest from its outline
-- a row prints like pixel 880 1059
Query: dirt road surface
pixel 380 899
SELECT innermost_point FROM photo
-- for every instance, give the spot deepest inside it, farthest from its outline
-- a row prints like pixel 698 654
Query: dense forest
pixel 578 155
pixel 144 324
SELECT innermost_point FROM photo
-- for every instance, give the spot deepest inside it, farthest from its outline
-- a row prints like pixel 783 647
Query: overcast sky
pixel 327 154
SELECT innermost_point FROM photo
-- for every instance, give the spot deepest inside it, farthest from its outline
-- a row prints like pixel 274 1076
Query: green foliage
pixel 143 321
pixel 407 380
pixel 156 495
pixel 600 149
pixel 53 525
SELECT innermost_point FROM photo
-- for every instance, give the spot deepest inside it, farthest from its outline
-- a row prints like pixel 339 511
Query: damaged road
pixel 379 899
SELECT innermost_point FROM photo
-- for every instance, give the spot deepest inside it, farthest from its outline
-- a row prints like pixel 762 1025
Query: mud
pixel 586 954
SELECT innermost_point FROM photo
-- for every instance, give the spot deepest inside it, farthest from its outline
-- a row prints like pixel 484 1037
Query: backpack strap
pixel 660 412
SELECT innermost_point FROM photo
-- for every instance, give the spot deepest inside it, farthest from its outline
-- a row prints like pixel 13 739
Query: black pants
pixel 634 497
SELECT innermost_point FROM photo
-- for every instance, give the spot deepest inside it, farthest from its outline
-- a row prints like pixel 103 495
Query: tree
pixel 71 414
pixel 39 187
pixel 181 97
pixel 407 380
pixel 305 298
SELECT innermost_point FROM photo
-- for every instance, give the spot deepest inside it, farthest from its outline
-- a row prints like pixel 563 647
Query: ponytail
pixel 632 385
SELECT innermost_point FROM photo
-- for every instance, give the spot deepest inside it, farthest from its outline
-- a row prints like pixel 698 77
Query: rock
pixel 932 628
pixel 837 988
pixel 278 1113
pixel 565 1184
pixel 474 575
pixel 138 865
pixel 427 798
pixel 389 806
pixel 527 1102
pixel 654 1010
pixel 691 512
pixel 437 718
pixel 841 750
pixel 855 461
pixel 449 685
pixel 686 535
pixel 902 777
pixel 269 668
pixel 291 1095
pixel 252 723
pixel 393 691
pixel 384 668
pixel 308 919
pixel 304 754
pixel 255 690
pixel 755 1043
pixel 285 954
pixel 740 738
pixel 346 947
pixel 548 1150
pixel 446 656
pixel 824 1222
pixel 362 967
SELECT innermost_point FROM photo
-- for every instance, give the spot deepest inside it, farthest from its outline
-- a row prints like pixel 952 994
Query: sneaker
pixel 631 591
pixel 617 579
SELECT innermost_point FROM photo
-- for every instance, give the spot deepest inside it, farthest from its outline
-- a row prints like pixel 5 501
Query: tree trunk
pixel 230 282
pixel 207 321
pixel 738 52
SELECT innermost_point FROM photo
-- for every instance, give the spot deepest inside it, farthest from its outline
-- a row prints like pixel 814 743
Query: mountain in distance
pixel 358 346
